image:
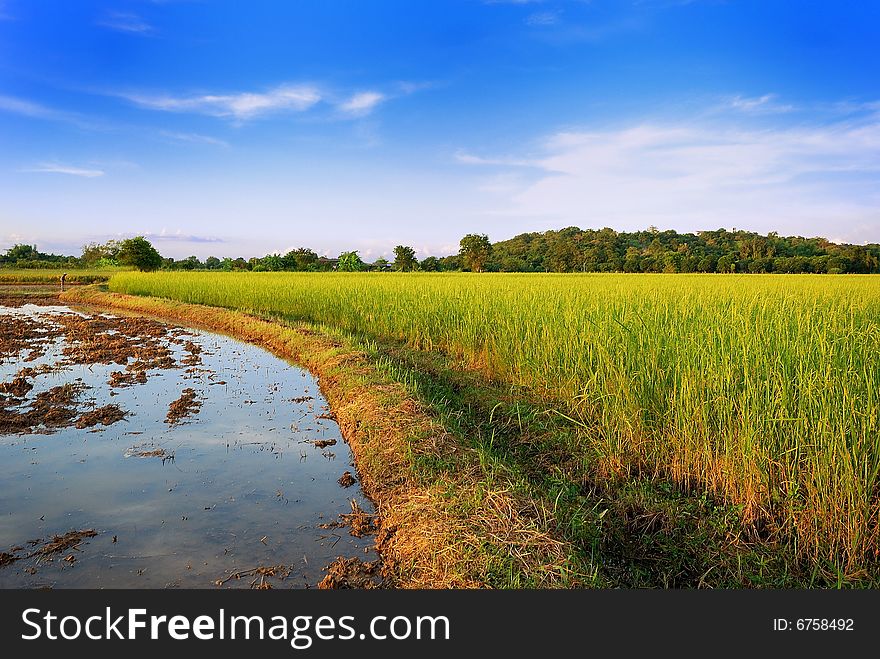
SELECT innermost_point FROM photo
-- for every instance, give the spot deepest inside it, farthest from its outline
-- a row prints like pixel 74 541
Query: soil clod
pixel 106 415
pixel 351 573
pixel 183 407
pixel 359 523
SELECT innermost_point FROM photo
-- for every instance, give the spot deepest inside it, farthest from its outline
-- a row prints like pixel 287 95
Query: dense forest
pixel 567 250
pixel 606 250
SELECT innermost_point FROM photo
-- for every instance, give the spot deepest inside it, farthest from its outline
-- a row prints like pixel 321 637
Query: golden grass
pixel 53 275
pixel 759 390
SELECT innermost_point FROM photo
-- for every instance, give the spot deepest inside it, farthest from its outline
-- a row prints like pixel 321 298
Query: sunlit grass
pixel 53 275
pixel 760 390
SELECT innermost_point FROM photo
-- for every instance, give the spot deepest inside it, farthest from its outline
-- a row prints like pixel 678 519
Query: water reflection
pixel 246 485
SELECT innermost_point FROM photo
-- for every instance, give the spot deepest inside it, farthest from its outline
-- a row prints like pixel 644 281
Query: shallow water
pixel 246 487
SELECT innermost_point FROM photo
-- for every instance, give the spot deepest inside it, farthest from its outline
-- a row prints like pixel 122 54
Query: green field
pixel 760 392
pixel 53 275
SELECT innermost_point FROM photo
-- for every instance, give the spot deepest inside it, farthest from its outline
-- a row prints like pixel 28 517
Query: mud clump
pixel 183 407
pixel 352 573
pixel 359 522
pixel 194 357
pixel 34 371
pixel 127 378
pixel 22 334
pixel 111 340
pixel 324 443
pixel 106 415
pixel 50 410
pixel 19 387
pixel 346 480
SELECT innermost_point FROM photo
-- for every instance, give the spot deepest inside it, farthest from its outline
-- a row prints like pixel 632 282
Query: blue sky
pixel 230 128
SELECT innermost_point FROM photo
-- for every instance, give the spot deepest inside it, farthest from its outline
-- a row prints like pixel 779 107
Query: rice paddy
pixel 759 391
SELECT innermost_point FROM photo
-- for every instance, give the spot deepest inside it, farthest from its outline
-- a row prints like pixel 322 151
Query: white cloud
pixel 814 180
pixel 193 138
pixel 57 168
pixel 362 103
pixel 469 159
pixel 239 106
pixel 758 105
pixel 126 22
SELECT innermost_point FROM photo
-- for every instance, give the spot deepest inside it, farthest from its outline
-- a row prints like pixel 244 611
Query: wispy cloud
pixel 180 237
pixel 193 138
pixel 126 22
pixel 362 103
pixel 469 159
pixel 31 109
pixel 766 104
pixel 693 175
pixel 239 106
pixel 26 108
pixel 407 87
pixel 58 168
pixel 543 18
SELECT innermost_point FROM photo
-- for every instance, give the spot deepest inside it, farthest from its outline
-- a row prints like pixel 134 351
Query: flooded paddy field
pixel 139 454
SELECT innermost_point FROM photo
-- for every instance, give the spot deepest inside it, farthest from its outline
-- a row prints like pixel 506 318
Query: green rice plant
pixel 759 390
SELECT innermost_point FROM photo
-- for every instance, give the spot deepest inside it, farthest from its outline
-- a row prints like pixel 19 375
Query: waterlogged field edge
pixel 442 524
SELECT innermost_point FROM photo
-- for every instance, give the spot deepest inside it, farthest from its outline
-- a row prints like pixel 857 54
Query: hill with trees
pixel 605 250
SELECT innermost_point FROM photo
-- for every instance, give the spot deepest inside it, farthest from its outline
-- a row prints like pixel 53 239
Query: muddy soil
pixel 185 459
pixel 183 407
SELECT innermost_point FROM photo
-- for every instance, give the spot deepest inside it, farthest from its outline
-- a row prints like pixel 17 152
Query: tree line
pixel 567 250
pixel 605 250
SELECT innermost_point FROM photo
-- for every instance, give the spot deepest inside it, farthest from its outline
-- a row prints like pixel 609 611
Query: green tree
pixel 212 263
pixel 22 253
pixel 189 263
pixel 272 262
pixel 563 256
pixel 727 263
pixel 405 258
pixel 300 259
pixel 430 264
pixel 138 252
pixel 475 250
pixel 100 254
pixel 350 262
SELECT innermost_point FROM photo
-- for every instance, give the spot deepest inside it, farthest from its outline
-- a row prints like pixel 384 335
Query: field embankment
pixel 726 423
pixel 442 523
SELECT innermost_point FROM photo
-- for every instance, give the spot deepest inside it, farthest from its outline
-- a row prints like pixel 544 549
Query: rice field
pixel 761 391
pixel 53 275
